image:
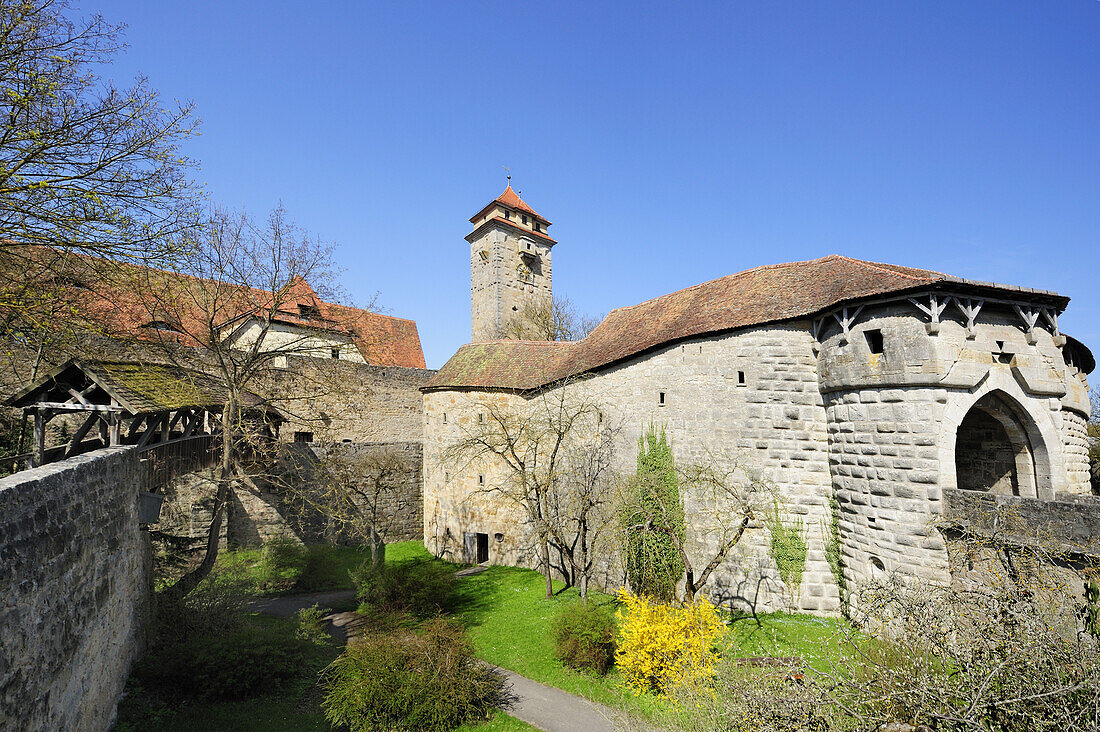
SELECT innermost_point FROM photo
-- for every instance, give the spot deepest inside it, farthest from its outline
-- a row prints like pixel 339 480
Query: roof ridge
pixel 732 275
pixel 882 267
pixel 520 340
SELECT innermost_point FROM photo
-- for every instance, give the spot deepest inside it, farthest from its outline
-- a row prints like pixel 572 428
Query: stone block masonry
pixel 74 589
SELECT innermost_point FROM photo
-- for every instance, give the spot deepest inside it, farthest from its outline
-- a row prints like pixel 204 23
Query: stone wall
pixel 751 397
pixel 335 400
pixel 894 417
pixel 74 588
pixel 1070 523
pixel 395 504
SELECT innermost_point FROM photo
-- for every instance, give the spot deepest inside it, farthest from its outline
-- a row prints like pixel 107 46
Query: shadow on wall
pixel 258 515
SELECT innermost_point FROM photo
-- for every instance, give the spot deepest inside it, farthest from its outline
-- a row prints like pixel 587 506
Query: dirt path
pixel 285 606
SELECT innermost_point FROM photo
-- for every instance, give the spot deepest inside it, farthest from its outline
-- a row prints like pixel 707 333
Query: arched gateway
pixel 995 451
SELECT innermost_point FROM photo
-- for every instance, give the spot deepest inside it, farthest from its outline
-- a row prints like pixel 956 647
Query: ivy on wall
pixel 653 562
pixel 787 548
pixel 830 532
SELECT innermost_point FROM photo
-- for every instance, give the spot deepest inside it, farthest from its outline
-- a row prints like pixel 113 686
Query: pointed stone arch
pixel 1020 426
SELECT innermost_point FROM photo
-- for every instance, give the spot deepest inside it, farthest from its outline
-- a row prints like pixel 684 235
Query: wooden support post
pixel 1030 316
pixel 40 419
pixel 970 309
pixel 74 443
pixel 934 309
pixel 846 320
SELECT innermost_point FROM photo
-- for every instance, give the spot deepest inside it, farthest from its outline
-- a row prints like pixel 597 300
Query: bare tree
pixel 549 319
pixel 221 309
pixel 555 455
pixel 353 490
pixel 84 165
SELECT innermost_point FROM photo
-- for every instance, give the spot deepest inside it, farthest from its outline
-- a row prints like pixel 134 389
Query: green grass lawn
pixel 509 621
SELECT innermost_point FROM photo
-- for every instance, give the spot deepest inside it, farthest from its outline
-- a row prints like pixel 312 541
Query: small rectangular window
pixel 480 418
pixel 336 353
pixel 444 418
pixel 508 215
pixel 874 340
pixel 525 218
pixel 741 377
pixel 538 226
pixel 661 399
pixel 303 437
pixel 481 480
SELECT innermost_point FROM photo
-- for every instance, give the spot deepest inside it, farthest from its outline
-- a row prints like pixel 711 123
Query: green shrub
pixel 323 570
pixel 282 562
pixel 311 626
pixel 584 636
pixel 237 664
pixel 419 587
pixel 406 681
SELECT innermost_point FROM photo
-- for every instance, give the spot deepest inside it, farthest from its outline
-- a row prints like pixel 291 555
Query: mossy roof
pixel 139 388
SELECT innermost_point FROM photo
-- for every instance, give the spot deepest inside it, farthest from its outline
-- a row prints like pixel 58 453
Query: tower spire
pixel 509 262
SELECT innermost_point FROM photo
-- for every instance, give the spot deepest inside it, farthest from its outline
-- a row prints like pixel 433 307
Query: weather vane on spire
pixel 508 174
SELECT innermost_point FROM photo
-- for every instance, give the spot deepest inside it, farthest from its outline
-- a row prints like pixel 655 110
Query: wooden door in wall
pixel 469 547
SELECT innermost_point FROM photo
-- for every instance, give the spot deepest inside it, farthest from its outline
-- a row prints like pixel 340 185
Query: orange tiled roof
pixel 510 199
pixel 757 296
pixel 186 302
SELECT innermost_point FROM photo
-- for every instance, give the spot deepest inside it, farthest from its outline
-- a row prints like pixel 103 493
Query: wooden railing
pixel 177 457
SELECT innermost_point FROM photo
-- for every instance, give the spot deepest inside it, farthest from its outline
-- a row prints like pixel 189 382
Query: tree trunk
pixel 544 550
pixel 191 580
pixel 377 549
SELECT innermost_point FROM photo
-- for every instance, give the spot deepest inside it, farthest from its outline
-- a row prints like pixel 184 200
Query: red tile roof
pixel 510 199
pixel 757 296
pixel 115 303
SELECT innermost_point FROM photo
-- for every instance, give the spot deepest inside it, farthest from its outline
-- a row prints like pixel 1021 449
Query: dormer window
pixel 507 214
pixel 524 218
pixel 538 226
pixel 163 326
pixel 308 311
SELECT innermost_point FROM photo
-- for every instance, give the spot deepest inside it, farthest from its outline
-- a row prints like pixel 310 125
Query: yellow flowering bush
pixel 664 645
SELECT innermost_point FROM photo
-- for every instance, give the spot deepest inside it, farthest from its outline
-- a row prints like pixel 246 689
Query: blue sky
pixel 670 143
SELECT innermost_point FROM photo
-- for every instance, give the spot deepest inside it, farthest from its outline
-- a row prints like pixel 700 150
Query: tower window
pixel 507 214
pixel 661 399
pixel 481 480
pixel 480 418
pixel 874 340
pixel 538 226
pixel 525 218
pixel 336 353
pixel 741 378
pixel 444 418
